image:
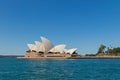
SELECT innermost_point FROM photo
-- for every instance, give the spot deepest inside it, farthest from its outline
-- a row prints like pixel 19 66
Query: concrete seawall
pixel 96 57
pixel 82 57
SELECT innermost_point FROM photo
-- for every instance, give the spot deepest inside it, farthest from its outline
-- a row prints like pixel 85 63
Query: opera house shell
pixel 45 49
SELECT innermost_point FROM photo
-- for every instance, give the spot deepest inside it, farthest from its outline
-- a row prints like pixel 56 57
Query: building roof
pixel 46 46
pixel 39 46
pixel 71 51
pixel 32 47
pixel 58 48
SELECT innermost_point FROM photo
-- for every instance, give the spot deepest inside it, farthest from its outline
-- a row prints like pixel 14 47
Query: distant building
pixel 47 49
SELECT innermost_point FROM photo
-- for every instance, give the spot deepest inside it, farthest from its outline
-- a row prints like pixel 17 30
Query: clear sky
pixel 84 24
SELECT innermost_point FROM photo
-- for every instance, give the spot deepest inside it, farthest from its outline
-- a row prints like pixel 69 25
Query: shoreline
pixel 81 57
pixel 10 56
pixel 96 57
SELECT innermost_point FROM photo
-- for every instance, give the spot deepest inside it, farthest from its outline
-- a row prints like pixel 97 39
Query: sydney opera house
pixel 45 49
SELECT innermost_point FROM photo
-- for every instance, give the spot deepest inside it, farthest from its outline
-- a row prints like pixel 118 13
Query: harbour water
pixel 59 69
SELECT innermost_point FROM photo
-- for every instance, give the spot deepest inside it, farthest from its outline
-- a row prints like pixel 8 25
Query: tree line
pixel 103 50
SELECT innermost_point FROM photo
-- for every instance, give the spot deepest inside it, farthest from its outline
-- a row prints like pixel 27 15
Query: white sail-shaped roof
pixel 38 43
pixel 71 51
pixel 58 48
pixel 32 47
pixel 47 44
pixel 39 46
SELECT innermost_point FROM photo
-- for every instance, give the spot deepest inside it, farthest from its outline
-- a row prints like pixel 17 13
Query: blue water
pixel 66 69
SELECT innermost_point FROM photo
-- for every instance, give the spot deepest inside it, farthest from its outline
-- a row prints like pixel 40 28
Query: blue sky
pixel 84 24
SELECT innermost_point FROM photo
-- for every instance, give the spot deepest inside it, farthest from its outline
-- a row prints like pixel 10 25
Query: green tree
pixel 113 51
pixel 101 49
pixel 108 51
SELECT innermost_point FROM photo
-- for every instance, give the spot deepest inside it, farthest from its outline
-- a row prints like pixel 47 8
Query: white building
pixel 47 47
